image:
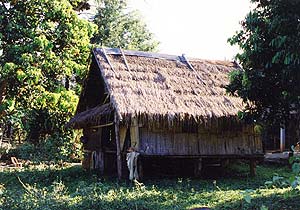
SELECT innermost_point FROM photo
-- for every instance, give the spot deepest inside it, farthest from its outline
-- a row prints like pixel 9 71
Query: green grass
pixel 69 187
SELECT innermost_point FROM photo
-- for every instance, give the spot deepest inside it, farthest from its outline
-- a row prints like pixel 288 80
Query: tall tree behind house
pixel 270 43
pixel 120 27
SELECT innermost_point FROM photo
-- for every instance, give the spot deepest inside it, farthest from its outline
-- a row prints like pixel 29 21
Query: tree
pixel 44 55
pixel 270 80
pixel 45 48
pixel 119 27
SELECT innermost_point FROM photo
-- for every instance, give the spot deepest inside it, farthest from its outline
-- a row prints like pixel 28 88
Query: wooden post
pixel 140 168
pixel 198 167
pixel 134 134
pixel 119 158
pixel 101 162
pixel 252 167
pixel 123 131
pixel 86 161
pixel 282 139
pixel 224 163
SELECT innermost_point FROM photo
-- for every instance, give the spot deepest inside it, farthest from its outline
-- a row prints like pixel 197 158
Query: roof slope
pixel 92 117
pixel 163 85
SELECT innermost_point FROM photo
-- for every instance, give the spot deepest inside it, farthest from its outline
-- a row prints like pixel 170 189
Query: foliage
pixel 270 58
pixel 4 149
pixel 290 182
pixel 55 148
pixel 45 48
pixel 119 27
pixel 80 5
pixel 44 55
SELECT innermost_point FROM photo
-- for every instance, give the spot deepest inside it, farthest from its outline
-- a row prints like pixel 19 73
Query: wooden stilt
pixel 101 162
pixel 224 163
pixel 252 167
pixel 198 167
pixel 140 168
pixel 119 158
pixel 86 161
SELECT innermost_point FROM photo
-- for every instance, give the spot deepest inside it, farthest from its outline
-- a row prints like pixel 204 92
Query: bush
pixel 24 151
pixel 53 148
pixel 4 149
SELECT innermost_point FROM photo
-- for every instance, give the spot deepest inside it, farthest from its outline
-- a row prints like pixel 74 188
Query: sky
pixel 197 28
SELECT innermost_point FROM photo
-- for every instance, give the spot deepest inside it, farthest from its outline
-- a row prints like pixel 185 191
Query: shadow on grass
pixel 289 200
pixel 43 175
pixel 232 178
pixel 55 187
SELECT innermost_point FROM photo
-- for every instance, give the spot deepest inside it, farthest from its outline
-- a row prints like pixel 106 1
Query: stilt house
pixel 164 106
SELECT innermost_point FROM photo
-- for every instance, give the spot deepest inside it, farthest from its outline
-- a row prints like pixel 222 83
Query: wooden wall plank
pixel 134 134
pixel 176 143
pixel 123 131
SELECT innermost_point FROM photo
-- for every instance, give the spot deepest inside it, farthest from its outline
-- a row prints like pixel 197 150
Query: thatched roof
pixel 91 117
pixel 157 87
pixel 163 85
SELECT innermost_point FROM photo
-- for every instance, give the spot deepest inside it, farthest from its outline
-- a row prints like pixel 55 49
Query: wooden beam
pixel 245 157
pixel 184 59
pixel 103 125
pixel 119 157
pixel 125 60
pixel 108 61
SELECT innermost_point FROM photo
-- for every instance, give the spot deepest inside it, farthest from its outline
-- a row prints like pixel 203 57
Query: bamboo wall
pixel 153 142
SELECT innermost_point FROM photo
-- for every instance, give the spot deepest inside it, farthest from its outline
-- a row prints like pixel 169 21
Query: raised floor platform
pixel 279 157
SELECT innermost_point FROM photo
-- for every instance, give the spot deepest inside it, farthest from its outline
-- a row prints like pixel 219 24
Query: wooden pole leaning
pixel 119 155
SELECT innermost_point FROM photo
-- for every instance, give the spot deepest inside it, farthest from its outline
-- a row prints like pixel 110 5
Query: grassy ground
pixel 69 187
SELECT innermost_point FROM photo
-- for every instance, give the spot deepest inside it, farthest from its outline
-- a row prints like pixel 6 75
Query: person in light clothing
pixel 132 157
